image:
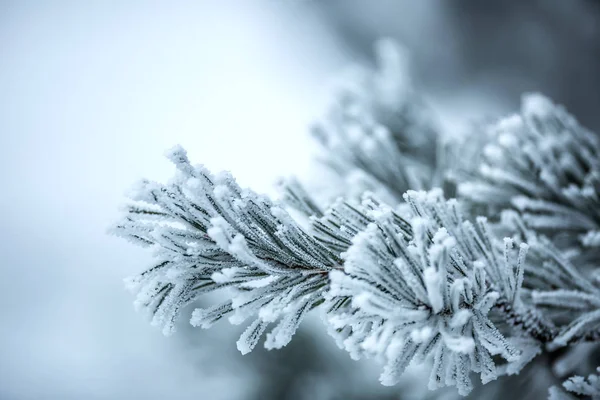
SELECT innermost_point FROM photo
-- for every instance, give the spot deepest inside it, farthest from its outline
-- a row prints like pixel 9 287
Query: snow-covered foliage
pixel 377 134
pixel 210 234
pixel 501 278
pixel 544 164
pixel 589 386
pixel 578 385
pixel 426 287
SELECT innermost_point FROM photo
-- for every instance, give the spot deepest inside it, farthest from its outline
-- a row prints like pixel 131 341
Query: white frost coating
pixel 442 244
pixel 132 283
pixel 361 300
pixel 218 232
pixel 509 140
pixel 460 318
pixel 536 105
pixel 587 387
pixel 493 152
pixel 521 202
pixel 222 192
pixel 506 126
pixel 224 275
pixel 177 154
pixel 237 317
pixel 259 283
pixel 433 283
pixel 197 317
pixel 441 235
pixel 549 171
pixel 209 234
pixel 591 239
pixel 272 311
pixel 460 344
pixel 174 273
pixel 421 335
pixel 421 293
pixel 239 248
pixel 251 336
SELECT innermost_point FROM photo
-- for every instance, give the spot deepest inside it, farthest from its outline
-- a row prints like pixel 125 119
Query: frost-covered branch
pixel 578 386
pixel 427 288
pixel 210 234
pixel 544 164
pixel 378 135
pixel 399 273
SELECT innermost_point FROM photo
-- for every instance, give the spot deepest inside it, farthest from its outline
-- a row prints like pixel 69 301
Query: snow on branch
pixel 428 289
pixel 541 170
pixel 400 274
pixel 579 387
pixel 378 134
pixel 210 234
pixel 544 164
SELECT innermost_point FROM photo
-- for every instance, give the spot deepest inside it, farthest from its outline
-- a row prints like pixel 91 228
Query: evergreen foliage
pixel 483 283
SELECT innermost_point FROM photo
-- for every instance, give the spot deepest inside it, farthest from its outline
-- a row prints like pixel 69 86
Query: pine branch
pixel 579 386
pixel 528 321
pixel 209 234
pixel 378 135
pixel 427 291
pixel 545 165
pixel 413 282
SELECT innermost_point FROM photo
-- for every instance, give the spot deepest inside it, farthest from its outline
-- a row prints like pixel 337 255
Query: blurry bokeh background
pixel 92 93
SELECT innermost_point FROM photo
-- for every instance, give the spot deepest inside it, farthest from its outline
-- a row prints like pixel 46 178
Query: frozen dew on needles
pixel 378 135
pixel 502 277
pixel 426 294
pixel 209 234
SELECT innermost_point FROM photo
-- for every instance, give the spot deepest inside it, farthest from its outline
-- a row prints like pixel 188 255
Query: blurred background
pixel 92 93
